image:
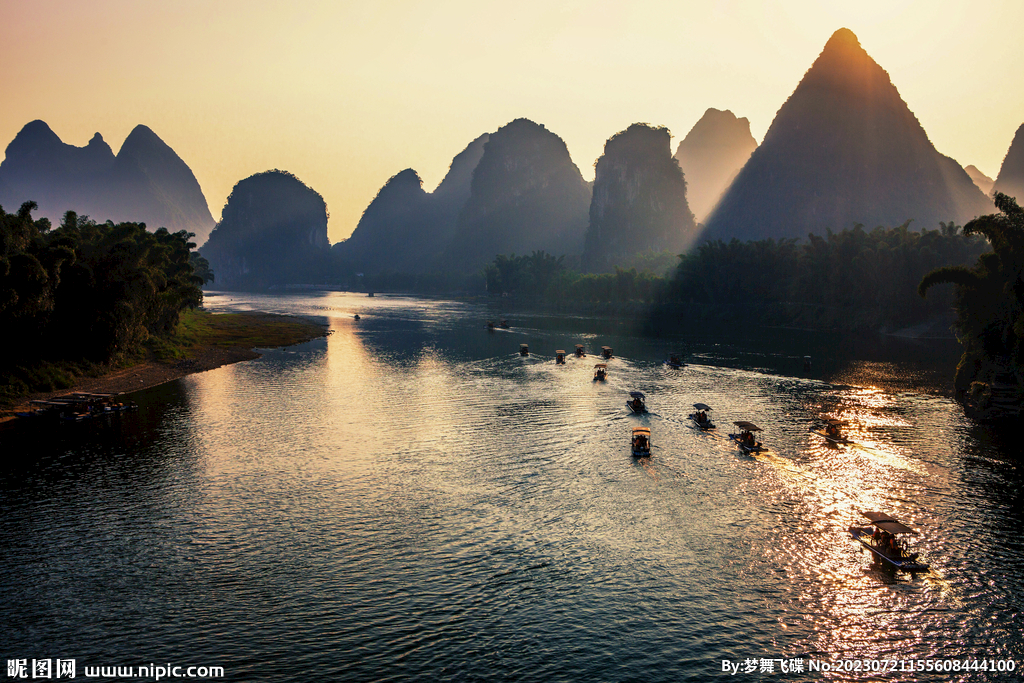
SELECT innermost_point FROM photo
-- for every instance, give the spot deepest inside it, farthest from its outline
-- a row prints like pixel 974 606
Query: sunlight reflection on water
pixel 410 498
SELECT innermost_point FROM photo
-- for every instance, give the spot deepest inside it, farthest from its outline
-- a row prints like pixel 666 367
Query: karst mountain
pixel 146 181
pixel 844 149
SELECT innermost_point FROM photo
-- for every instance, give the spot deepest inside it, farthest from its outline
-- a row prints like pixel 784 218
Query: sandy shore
pixel 143 376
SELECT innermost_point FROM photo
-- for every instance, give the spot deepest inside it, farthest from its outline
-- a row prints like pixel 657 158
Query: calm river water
pixel 409 499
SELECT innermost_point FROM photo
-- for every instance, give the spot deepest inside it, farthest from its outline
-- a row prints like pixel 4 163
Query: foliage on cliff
pixel 526 194
pixel 639 200
pixel 990 303
pixel 273 231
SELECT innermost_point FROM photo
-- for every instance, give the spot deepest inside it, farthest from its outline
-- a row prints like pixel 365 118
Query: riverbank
pixel 204 341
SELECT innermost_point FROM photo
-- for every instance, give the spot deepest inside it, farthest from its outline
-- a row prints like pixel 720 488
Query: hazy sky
pixel 346 94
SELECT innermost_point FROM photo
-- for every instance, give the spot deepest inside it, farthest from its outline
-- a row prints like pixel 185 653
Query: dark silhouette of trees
pixel 989 300
pixel 89 291
pixel 853 279
pixel 542 276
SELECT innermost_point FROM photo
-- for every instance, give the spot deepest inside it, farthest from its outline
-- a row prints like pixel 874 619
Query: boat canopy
pixel 702 406
pixel 560 351
pixel 637 431
pixel 523 346
pixel 637 394
pixel 887 523
pixel 601 365
pixel 834 421
pixel 747 426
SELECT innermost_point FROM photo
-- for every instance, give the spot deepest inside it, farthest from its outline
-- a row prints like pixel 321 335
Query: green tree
pixel 990 297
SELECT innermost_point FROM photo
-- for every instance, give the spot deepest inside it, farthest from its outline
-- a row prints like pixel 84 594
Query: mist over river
pixel 410 499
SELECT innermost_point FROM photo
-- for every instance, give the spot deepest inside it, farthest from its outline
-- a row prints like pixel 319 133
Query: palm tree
pixel 990 297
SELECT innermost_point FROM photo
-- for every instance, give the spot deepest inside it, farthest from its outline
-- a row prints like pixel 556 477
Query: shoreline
pixel 220 339
pixel 145 375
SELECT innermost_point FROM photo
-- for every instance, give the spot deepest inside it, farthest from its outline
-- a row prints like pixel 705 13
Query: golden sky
pixel 346 94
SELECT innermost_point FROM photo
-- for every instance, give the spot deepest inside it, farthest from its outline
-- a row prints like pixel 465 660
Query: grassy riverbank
pixel 202 341
pixel 200 329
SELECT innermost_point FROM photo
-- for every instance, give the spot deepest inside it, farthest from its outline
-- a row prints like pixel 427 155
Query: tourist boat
pixel 641 442
pixel 579 351
pixel 885 541
pixel 745 438
pixel 601 372
pixel 832 432
pixel 606 351
pixel 637 402
pixel 524 350
pixel 675 360
pixel 560 357
pixel 700 416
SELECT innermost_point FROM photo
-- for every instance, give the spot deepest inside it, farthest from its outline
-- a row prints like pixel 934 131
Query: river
pixel 410 499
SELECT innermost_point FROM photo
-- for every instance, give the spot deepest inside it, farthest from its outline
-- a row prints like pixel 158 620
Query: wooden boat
pixel 490 325
pixel 81 406
pixel 606 351
pixel 832 432
pixel 524 350
pixel 637 402
pixel 503 324
pixel 559 357
pixel 883 539
pixel 745 438
pixel 700 416
pixel 675 361
pixel 641 442
pixel 579 351
pixel 356 316
pixel 600 372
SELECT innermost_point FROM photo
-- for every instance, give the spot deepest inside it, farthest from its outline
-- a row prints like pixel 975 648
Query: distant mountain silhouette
pixel 639 199
pixel 273 231
pixel 844 149
pixel 456 187
pixel 405 229
pixel 983 182
pixel 526 195
pixel 711 155
pixel 146 182
pixel 1011 174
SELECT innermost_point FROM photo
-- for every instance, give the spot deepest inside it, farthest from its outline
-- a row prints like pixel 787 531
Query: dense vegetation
pixel 543 277
pixel 87 291
pixel 853 279
pixel 990 307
